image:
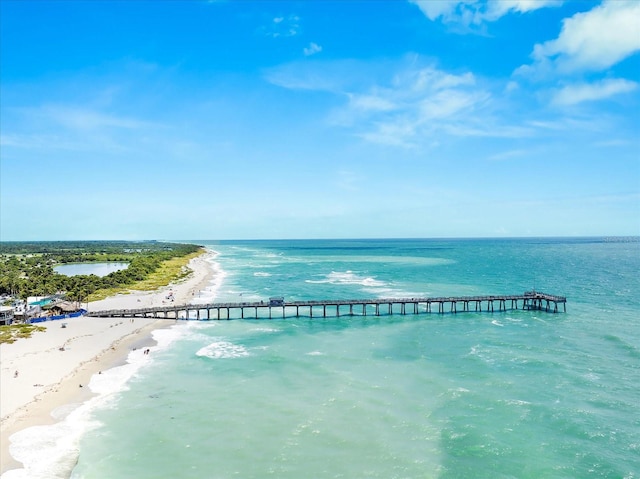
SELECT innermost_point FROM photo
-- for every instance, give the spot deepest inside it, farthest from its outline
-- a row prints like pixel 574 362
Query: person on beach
pixel 15 375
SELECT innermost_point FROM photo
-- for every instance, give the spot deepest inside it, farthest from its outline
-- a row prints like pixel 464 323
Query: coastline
pixel 50 378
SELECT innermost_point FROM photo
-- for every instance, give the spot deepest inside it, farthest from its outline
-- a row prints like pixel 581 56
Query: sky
pixel 319 119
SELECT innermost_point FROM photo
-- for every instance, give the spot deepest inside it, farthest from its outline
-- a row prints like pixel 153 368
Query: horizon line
pixel 371 238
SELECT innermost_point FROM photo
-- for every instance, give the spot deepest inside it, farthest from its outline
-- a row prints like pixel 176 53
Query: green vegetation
pixel 26 269
pixel 9 334
pixel 170 270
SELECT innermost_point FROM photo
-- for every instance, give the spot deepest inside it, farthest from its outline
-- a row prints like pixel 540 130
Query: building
pixel 6 315
pixel 62 307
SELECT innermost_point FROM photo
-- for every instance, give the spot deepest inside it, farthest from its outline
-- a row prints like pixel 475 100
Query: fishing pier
pixel 278 308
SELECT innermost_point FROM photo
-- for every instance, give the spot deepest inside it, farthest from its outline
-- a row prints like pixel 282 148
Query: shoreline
pixel 50 377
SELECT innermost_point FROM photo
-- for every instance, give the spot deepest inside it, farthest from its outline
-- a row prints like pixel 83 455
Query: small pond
pixel 99 269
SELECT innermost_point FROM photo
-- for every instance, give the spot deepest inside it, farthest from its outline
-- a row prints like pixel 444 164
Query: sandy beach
pixel 53 367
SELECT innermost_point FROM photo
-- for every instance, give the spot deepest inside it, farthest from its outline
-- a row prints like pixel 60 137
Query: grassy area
pixel 170 271
pixel 9 334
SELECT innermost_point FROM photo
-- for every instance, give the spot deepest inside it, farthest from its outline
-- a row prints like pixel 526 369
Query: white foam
pixel 516 402
pixel 222 350
pixel 369 284
pixel 262 274
pixel 348 277
pixel 52 451
pixel 210 292
pixel 166 336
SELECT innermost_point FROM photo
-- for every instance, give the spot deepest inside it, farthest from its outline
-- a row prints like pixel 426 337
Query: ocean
pixel 515 394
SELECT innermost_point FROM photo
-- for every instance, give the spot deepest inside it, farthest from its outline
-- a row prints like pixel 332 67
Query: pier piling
pixel 529 301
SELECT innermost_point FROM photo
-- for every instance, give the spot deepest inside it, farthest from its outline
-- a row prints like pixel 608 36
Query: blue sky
pixel 318 119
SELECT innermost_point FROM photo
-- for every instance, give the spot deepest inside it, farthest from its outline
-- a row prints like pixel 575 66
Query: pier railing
pixel 530 300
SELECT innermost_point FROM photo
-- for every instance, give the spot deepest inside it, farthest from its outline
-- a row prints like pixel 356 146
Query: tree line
pixel 26 269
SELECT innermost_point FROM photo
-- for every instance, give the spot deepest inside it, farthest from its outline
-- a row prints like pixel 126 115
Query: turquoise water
pixel 517 394
pixel 99 269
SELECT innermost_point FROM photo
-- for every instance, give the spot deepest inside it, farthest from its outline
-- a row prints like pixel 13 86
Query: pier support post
pixel 531 301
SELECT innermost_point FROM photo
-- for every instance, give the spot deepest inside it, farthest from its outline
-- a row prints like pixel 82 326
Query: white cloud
pixel 40 141
pixel 476 12
pixel 337 76
pixel 403 104
pixel 508 155
pixel 371 102
pixel 590 41
pixel 398 133
pixel 444 9
pixel 77 118
pixel 511 87
pixel 297 76
pixel 445 104
pixel 417 105
pixel 432 79
pixel 578 93
pixel 282 26
pixel 312 49
pixel 499 8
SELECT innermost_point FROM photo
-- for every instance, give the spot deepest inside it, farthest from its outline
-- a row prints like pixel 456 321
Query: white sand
pixel 49 377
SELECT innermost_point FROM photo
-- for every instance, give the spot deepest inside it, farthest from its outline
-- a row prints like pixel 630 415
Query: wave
pixel 222 350
pixel 211 291
pixel 348 277
pixel 368 284
pixel 51 452
pixel 267 330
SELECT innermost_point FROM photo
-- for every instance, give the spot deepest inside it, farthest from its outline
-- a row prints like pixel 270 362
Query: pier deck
pixel 530 300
